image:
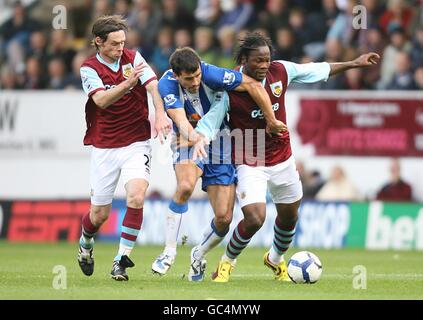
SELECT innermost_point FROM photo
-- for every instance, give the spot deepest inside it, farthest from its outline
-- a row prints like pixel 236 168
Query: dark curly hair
pixel 252 41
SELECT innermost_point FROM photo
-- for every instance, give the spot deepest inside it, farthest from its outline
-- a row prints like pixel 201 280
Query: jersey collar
pixel 113 66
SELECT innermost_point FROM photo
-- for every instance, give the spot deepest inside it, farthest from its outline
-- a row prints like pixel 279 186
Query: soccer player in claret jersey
pixel 188 90
pixel 276 171
pixel 116 81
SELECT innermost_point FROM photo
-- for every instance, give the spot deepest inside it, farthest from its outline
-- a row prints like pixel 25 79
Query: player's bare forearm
pixel 339 67
pixel 157 100
pixel 186 130
pixel 161 123
pixel 364 60
pixel 105 98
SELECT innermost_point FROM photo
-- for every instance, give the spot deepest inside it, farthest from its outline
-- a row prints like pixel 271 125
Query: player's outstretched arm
pixel 260 96
pixel 365 60
pixel 105 98
pixel 161 123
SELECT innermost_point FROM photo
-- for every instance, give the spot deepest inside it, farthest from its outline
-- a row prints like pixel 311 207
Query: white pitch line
pixel 404 276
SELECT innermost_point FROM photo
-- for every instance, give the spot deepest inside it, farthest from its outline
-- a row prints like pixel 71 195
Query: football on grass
pixel 304 267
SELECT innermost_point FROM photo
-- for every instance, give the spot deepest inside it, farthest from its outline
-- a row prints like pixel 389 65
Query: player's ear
pixel 243 60
pixel 98 41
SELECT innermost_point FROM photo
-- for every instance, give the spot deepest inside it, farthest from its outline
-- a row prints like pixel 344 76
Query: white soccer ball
pixel 304 267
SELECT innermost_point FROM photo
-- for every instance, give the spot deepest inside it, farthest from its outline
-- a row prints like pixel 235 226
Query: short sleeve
pixel 220 78
pixel 169 91
pixel 91 82
pixel 210 123
pixel 148 73
pixel 306 72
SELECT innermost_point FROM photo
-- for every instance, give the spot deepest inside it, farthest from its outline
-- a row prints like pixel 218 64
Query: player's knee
pixel 98 216
pixel 289 217
pixel 184 190
pixel 135 201
pixel 254 223
pixel 222 222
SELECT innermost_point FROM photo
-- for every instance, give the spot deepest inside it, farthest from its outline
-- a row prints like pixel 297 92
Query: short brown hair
pixel 184 60
pixel 107 24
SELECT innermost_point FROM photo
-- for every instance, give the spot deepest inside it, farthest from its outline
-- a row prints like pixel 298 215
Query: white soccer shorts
pixel 282 180
pixel 107 165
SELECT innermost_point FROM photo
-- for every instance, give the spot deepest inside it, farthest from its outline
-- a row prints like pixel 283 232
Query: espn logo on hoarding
pixel 46 220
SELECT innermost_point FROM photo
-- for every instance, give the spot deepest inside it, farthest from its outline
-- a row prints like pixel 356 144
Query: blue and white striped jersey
pixel 213 81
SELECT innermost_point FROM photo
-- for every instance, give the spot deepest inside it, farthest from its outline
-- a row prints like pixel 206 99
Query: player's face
pixel 257 63
pixel 190 81
pixel 112 49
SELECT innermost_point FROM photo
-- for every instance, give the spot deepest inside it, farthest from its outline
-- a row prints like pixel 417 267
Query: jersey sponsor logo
pixel 258 113
pixel 276 88
pixel 127 70
pixel 228 78
pixel 170 99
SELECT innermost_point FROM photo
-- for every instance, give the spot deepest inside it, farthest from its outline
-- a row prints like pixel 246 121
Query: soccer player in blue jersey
pixel 188 91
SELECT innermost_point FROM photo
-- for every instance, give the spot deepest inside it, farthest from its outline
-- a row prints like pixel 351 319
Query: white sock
pixel 230 260
pixel 211 239
pixel 124 250
pixel 275 257
pixel 173 225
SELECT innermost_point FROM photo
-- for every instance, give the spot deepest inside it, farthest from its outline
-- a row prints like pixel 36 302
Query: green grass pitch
pixel 26 272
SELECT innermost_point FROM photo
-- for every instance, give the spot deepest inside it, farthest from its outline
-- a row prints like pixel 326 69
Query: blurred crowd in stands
pixel 338 187
pixel 35 56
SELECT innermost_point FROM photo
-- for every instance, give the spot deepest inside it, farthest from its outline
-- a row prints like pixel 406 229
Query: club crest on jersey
pixel 276 88
pixel 195 102
pixel 127 70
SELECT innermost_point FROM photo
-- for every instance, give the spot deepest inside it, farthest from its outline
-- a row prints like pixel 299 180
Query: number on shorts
pixel 147 160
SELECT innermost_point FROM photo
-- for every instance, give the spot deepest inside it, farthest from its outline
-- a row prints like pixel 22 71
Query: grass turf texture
pixel 26 272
